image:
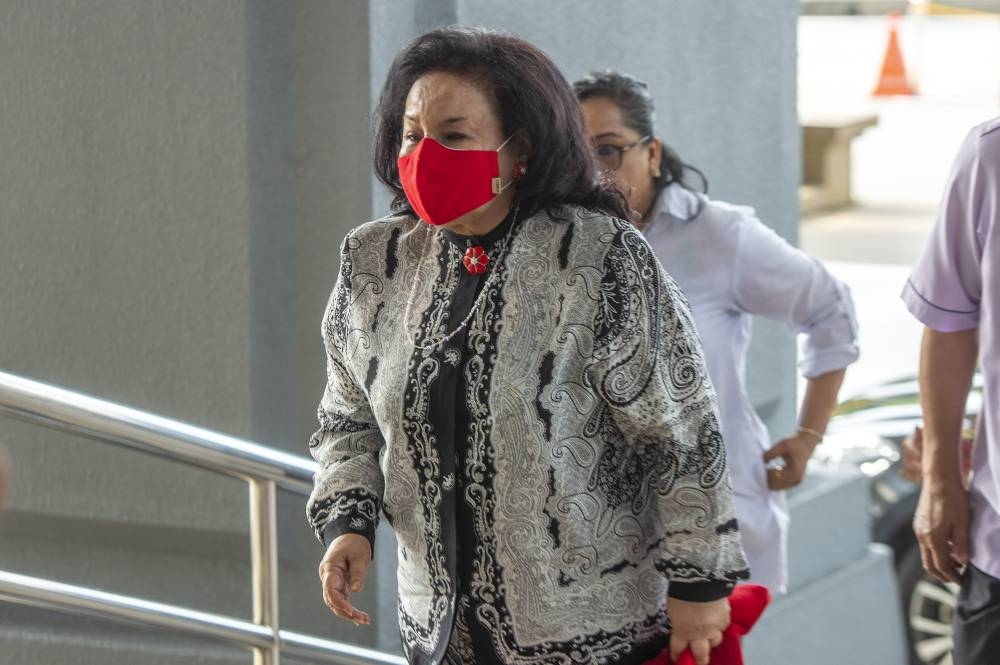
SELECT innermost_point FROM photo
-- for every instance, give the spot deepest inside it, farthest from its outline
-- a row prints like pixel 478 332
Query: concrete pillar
pixel 178 176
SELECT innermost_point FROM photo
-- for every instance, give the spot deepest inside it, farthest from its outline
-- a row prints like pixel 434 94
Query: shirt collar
pixel 677 202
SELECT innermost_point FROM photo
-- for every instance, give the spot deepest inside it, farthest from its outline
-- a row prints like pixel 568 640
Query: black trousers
pixel 977 619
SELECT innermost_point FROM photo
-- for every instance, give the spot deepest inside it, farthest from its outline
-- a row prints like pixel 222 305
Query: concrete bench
pixel 826 160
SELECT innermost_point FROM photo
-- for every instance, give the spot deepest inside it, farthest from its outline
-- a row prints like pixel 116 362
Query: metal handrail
pixel 50 595
pixel 264 469
pixel 46 594
pixel 94 418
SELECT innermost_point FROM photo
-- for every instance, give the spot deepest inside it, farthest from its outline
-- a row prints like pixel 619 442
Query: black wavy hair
pixel 639 113
pixel 529 93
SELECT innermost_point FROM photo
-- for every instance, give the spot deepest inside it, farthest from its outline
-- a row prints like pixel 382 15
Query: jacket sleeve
pixel 650 372
pixel 348 486
pixel 775 280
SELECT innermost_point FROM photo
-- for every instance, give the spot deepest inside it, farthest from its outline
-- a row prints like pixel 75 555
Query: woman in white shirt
pixel 730 266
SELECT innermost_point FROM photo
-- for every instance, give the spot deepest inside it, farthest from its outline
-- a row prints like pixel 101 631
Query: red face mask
pixel 442 184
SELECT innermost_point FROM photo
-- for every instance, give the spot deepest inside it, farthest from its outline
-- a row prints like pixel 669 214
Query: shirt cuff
pixel 936 317
pixel 822 361
pixel 349 524
pixel 700 592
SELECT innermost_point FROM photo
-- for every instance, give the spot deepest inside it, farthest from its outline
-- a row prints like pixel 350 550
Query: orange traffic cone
pixel 893 79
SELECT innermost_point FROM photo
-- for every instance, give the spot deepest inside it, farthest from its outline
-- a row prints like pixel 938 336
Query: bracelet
pixel 806 430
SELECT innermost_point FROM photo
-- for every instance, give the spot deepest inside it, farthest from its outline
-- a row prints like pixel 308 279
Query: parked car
pixel 868 433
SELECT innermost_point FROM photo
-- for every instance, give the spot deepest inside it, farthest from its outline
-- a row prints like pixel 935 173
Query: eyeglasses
pixel 611 155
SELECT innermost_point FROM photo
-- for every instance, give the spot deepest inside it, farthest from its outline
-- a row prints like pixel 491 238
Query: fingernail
pixel 356 586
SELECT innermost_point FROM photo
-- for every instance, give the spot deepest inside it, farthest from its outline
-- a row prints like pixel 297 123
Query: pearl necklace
pixel 490 282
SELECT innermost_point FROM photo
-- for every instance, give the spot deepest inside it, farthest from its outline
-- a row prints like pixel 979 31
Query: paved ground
pixel 900 166
pixel 870 233
pixel 953 61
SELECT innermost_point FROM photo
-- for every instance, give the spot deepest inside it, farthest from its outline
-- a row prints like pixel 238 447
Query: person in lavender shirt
pixel 730 266
pixel 955 292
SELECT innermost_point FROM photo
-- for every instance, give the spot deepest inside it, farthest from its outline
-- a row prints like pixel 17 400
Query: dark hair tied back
pixel 530 95
pixel 639 113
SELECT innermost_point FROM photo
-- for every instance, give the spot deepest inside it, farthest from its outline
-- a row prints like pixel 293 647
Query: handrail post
pixel 264 561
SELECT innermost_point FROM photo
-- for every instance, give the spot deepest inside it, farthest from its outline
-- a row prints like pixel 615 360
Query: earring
pixel 520 170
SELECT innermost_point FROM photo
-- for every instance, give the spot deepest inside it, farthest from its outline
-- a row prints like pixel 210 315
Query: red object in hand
pixel 476 259
pixel 746 604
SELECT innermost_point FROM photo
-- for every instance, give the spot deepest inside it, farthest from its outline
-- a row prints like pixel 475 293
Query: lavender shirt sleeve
pixel 944 290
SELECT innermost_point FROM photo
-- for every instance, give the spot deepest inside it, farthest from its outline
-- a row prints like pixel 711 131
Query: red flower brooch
pixel 476 259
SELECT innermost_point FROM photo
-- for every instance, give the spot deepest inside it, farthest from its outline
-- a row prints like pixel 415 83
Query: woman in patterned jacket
pixel 515 383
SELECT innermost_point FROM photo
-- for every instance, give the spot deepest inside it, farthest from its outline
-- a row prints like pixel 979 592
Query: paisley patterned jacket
pixel 599 474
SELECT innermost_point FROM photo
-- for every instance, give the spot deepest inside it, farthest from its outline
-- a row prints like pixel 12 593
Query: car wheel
pixel 928 606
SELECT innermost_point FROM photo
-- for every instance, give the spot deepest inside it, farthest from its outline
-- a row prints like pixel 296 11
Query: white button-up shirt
pixel 731 266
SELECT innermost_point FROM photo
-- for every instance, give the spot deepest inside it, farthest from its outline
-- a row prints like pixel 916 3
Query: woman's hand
pixel 696 625
pixel 795 451
pixel 342 572
pixel 817 407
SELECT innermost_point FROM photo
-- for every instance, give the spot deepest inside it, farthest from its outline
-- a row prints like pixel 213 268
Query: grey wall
pixel 177 177
pixel 124 222
pixel 309 167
